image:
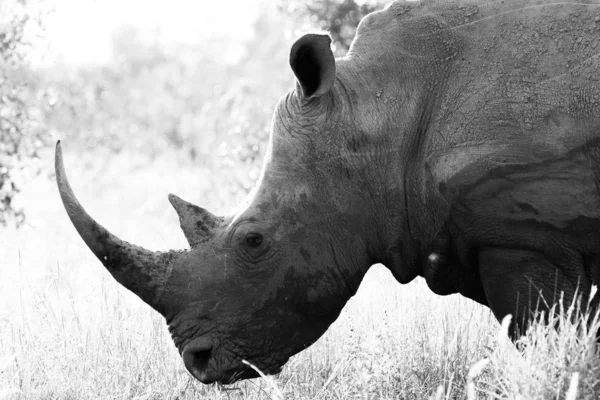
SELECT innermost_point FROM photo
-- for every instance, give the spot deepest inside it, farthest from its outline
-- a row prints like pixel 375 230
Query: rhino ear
pixel 197 223
pixel 313 64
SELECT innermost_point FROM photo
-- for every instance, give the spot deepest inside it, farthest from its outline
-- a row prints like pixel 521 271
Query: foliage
pixel 21 134
pixel 209 103
pixel 156 97
pixel 338 17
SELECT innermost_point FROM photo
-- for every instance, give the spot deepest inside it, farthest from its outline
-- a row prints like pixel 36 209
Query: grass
pixel 68 331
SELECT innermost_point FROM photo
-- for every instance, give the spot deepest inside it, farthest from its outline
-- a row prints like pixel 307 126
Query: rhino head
pixel 265 283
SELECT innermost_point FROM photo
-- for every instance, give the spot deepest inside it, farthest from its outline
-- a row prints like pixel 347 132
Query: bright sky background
pixel 79 30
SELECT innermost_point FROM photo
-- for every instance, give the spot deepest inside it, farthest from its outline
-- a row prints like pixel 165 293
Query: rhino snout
pixel 201 360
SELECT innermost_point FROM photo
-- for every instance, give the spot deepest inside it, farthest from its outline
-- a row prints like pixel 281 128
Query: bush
pixel 338 17
pixel 20 133
pixel 207 103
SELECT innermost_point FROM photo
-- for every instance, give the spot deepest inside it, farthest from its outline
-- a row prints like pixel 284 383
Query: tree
pixel 339 17
pixel 20 135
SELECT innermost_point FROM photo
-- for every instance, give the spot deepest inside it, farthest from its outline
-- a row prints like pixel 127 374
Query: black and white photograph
pixel 299 200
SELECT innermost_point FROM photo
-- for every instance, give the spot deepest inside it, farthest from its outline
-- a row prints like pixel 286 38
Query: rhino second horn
pixel 142 271
pixel 197 223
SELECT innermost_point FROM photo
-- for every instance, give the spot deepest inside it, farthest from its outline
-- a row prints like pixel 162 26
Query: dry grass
pixel 68 331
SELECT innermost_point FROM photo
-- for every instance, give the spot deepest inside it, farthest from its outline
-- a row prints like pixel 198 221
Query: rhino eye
pixel 253 239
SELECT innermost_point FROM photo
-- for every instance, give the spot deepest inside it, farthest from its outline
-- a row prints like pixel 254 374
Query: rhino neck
pixel 355 174
pixel 397 91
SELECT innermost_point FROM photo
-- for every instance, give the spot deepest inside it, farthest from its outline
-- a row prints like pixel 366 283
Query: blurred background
pixel 190 83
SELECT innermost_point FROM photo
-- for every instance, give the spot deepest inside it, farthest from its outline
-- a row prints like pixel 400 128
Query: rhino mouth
pixel 231 375
pixel 246 372
pixel 200 359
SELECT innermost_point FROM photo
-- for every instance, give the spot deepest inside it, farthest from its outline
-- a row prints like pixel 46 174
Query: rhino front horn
pixel 143 272
pixel 197 223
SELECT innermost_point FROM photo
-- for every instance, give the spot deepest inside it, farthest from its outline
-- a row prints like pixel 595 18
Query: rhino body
pixel 455 141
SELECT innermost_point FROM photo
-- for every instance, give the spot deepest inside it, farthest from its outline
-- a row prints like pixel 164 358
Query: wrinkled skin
pixel 454 142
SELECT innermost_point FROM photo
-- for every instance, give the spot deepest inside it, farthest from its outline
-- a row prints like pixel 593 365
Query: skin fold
pixel 455 141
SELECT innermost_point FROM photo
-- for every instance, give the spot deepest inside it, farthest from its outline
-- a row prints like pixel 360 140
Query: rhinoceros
pixel 459 142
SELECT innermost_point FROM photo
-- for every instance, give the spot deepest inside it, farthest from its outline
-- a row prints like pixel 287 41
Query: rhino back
pixel 501 82
pixel 524 84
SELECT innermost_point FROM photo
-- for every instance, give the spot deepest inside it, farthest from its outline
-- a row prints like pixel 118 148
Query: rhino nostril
pixel 196 357
pixel 200 359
